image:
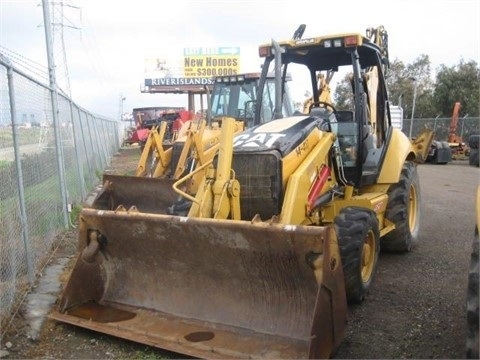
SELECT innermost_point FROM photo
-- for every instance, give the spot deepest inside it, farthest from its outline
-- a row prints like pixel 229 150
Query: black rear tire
pixel 473 141
pixel 472 302
pixel 473 157
pixel 403 209
pixel 358 238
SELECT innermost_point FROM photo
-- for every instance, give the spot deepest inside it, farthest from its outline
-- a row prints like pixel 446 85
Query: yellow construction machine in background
pixel 285 226
pixel 232 96
pixel 189 146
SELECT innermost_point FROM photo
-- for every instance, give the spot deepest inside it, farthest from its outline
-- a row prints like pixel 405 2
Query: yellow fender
pixel 400 148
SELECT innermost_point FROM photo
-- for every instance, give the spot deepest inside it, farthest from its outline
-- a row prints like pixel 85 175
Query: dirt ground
pixel 415 309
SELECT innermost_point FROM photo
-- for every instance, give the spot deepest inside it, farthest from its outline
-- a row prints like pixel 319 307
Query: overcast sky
pixel 107 42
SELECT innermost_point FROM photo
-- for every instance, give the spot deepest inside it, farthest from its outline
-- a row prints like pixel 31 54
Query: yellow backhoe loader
pixel 231 96
pixel 165 159
pixel 284 229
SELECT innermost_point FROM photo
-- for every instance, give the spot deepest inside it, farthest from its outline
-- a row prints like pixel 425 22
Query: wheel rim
pixel 368 257
pixel 412 208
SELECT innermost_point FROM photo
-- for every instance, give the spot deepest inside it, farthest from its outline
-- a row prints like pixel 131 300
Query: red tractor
pixel 460 149
pixel 149 117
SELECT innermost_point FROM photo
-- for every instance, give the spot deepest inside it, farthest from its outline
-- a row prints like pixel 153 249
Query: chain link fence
pixel 47 165
pixel 466 126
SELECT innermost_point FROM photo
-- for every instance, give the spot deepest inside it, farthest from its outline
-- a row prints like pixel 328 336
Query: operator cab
pixel 236 96
pixel 356 144
pixel 363 123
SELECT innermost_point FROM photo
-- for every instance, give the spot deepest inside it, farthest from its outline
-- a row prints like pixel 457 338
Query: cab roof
pixel 326 52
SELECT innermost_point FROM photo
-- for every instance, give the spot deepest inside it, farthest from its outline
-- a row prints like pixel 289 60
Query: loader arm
pixel 301 192
pixel 324 92
pixel 219 193
pixel 191 143
pixel 154 147
pixel 201 145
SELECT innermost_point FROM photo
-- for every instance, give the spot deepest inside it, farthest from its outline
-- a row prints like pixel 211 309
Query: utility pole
pixel 122 99
pixel 55 112
pixel 413 105
pixel 59 21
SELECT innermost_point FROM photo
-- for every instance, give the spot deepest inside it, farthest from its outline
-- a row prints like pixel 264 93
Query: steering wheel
pixel 325 104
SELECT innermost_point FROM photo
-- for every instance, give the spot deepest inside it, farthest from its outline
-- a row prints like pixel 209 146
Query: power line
pixel 60 21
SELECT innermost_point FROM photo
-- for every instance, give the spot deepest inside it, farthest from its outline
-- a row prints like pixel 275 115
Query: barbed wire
pixel 29 66
pixel 25 64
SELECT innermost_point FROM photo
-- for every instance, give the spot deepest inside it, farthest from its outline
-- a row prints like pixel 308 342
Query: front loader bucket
pixel 207 288
pixel 151 195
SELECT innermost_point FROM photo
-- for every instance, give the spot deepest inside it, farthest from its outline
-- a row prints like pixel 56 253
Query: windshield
pixel 238 100
pixel 268 102
pixel 232 99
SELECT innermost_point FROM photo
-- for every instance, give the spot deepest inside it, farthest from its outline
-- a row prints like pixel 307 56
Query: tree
pixel 401 87
pixel 452 84
pixel 458 83
pixel 343 95
pixel 401 81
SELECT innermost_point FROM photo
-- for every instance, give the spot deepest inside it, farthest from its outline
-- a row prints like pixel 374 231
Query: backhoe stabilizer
pixel 421 144
pixel 208 288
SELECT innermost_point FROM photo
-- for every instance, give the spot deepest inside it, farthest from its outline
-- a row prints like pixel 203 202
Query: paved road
pixel 8 154
pixel 417 305
pixel 416 308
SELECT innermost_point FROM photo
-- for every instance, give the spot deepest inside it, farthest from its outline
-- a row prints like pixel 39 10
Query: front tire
pixel 403 209
pixel 358 238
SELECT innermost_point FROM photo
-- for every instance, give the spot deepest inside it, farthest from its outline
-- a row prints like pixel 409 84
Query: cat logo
pixel 305 41
pixel 256 140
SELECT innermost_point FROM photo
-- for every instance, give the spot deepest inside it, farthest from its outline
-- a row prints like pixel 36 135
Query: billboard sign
pixel 176 81
pixel 211 61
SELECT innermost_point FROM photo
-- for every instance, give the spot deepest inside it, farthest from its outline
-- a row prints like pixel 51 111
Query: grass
pixel 24 136
pixel 99 174
pixel 149 354
pixel 76 209
pixel 4 164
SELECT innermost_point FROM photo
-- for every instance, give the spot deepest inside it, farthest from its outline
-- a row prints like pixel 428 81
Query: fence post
pixel 94 145
pixel 18 166
pixel 114 128
pixel 101 140
pixel 85 148
pixel 55 112
pixel 435 124
pixel 83 192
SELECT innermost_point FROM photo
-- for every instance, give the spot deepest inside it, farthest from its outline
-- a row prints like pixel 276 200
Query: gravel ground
pixel 416 308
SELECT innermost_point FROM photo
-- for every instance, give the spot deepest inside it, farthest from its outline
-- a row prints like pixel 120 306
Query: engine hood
pixel 281 134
